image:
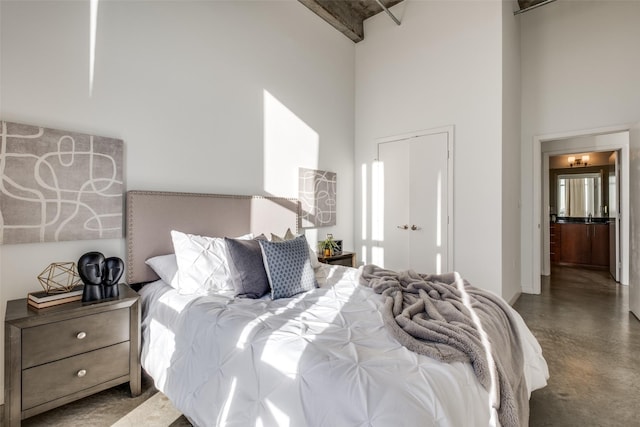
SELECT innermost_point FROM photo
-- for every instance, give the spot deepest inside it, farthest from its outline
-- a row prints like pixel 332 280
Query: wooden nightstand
pixel 59 354
pixel 345 258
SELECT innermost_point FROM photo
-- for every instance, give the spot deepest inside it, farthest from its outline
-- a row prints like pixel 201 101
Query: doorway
pixel 583 199
pixel 615 138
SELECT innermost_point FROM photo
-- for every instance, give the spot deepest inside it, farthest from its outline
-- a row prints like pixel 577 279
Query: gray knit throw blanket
pixel 427 314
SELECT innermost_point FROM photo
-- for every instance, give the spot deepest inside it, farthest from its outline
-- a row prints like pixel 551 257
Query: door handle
pixel 403 227
pixel 414 227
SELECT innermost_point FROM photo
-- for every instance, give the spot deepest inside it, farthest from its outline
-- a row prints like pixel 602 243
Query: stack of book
pixel 42 299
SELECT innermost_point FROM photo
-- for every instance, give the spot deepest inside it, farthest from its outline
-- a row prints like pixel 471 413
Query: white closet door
pixel 395 200
pixel 415 203
pixel 428 214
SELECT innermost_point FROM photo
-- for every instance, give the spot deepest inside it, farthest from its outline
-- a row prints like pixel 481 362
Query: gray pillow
pixel 288 267
pixel 246 267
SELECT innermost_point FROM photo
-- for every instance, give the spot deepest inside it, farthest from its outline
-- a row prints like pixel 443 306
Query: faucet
pixel 590 217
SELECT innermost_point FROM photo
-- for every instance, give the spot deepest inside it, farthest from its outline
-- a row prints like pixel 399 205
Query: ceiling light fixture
pixel 580 161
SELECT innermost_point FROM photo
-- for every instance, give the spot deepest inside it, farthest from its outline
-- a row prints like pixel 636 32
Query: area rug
pixel 157 411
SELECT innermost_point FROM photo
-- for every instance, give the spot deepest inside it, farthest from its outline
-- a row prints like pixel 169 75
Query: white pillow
pixel 313 257
pixel 202 263
pixel 166 267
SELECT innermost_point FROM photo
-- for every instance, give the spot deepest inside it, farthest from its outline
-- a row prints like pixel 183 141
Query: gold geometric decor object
pixel 59 277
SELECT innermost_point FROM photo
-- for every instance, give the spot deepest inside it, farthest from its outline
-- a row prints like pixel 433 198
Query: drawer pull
pixel 81 335
pixel 81 373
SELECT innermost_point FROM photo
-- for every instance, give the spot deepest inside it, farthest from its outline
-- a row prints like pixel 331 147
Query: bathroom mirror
pixel 580 195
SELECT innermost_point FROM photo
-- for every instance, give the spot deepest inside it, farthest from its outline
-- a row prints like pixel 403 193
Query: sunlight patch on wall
pixel 93 27
pixel 377 256
pixel 377 212
pixel 439 211
pixel 289 143
pixel 364 202
pixel 365 211
pixel 439 224
pixel 377 201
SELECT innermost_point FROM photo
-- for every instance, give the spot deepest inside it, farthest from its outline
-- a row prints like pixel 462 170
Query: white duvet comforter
pixel 322 358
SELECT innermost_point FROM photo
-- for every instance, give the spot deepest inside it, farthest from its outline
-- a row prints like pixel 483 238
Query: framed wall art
pixel 58 185
pixel 317 195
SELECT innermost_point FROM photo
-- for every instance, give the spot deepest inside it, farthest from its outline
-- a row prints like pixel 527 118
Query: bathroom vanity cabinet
pixel 580 244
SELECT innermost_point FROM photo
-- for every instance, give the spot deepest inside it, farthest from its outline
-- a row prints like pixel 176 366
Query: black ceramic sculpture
pixel 100 276
pixel 91 270
pixel 113 271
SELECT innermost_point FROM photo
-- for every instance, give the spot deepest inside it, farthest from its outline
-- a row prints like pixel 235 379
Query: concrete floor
pixel 592 345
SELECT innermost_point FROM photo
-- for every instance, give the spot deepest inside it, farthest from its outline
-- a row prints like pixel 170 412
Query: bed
pixel 321 357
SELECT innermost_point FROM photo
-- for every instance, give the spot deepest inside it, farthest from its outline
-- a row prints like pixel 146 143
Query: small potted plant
pixel 328 246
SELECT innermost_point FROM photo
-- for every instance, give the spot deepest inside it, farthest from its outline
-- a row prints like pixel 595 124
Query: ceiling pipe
pixel 518 12
pixel 391 14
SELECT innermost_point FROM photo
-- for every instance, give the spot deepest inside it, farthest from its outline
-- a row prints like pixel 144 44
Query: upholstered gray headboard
pixel 151 215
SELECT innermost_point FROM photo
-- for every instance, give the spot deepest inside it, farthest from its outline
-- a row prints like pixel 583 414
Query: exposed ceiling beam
pixel 347 16
pixel 340 15
pixel 526 5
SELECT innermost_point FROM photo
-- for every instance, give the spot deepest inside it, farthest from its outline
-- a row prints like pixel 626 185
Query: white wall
pixel 183 84
pixel 511 100
pixel 580 68
pixel 442 66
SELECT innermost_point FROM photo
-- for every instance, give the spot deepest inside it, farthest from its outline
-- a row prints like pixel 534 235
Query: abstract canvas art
pixel 317 195
pixel 57 185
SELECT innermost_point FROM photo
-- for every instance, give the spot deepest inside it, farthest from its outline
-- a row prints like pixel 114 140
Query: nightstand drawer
pixel 62 339
pixel 53 380
pixel 347 262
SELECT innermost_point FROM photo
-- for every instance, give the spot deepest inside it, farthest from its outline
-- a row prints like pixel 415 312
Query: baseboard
pixel 514 298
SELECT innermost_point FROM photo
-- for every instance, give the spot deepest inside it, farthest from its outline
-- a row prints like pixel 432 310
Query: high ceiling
pixel 347 16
